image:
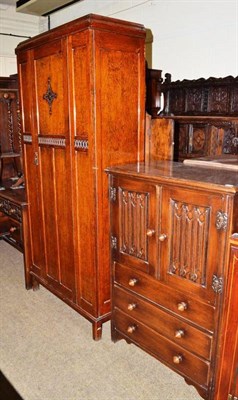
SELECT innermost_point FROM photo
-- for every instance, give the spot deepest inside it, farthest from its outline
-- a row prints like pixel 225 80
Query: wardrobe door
pixel 82 99
pixel 54 163
pixel 31 169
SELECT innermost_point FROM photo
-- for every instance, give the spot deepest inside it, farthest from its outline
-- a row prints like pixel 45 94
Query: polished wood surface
pixel 75 83
pixel 173 286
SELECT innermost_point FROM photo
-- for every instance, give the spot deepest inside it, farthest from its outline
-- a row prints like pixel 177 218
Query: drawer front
pixel 180 360
pixel 12 210
pixel 11 231
pixel 187 307
pixel 162 322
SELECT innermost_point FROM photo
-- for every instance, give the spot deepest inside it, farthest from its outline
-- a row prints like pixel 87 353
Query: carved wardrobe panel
pixel 76 123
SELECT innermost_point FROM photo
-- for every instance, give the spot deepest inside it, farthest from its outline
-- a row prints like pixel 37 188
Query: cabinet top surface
pixel 91 21
pixel 18 196
pixel 181 174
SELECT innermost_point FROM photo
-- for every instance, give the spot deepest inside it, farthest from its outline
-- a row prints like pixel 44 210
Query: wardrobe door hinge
pixel 217 284
pixel 113 243
pixel 221 221
pixel 36 159
pixel 113 193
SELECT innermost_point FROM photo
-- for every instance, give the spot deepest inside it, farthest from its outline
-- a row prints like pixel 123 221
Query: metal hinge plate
pixel 113 193
pixel 217 284
pixel 113 242
pixel 221 221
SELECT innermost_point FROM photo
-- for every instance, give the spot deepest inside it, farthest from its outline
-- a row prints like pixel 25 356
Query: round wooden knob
pixel 133 281
pixel 177 359
pixel 131 328
pixel 182 306
pixel 131 306
pixel 162 237
pixel 179 333
pixel 150 232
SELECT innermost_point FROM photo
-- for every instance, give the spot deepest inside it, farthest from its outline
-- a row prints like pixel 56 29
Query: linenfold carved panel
pixel 190 225
pixel 133 223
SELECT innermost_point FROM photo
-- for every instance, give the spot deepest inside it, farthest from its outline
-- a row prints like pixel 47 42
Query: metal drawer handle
pixel 131 328
pixel 179 333
pixel 131 306
pixel 162 237
pixel 177 359
pixel 133 281
pixel 150 232
pixel 12 229
pixel 182 306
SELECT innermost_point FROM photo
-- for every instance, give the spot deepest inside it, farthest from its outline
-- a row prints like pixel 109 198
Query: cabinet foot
pixel 35 284
pixel 97 330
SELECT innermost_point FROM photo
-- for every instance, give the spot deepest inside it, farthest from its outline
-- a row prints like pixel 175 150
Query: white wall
pixel 14 23
pixel 192 38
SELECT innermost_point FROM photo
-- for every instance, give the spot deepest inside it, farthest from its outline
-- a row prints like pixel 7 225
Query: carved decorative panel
pixel 52 141
pixel 190 224
pixel 177 101
pixel 133 223
pixel 218 100
pixel 234 102
pixel 194 99
pixel 198 139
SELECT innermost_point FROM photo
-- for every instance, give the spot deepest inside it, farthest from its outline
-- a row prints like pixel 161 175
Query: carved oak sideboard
pixel 202 114
pixel 172 284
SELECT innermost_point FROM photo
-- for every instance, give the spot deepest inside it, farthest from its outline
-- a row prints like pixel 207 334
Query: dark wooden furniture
pixel 75 84
pixel 14 221
pixel 174 288
pixel 10 128
pixel 203 114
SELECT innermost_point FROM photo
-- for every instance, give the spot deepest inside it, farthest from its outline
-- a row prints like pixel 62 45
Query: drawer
pixel 164 323
pixel 11 231
pixel 187 307
pixel 11 209
pixel 174 356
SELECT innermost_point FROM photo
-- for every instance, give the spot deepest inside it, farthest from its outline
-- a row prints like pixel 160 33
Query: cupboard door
pixel 193 246
pixel 134 224
pixel 31 169
pixel 81 81
pixel 54 163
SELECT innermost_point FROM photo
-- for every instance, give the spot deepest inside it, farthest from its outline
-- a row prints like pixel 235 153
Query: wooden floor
pixel 7 391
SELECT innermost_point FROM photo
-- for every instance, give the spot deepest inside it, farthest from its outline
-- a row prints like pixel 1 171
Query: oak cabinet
pixel 170 230
pixel 75 83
